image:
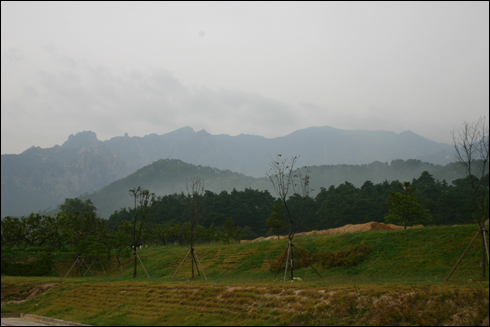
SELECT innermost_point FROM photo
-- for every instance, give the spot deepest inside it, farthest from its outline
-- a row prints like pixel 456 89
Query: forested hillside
pixel 238 215
pixel 166 177
pixel 448 204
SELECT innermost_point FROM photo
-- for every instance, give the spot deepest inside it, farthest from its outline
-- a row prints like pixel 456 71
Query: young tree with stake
pixel 471 144
pixel 288 181
pixel 194 206
pixel 143 203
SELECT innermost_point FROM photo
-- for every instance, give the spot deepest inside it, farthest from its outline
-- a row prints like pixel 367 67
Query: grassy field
pixel 399 281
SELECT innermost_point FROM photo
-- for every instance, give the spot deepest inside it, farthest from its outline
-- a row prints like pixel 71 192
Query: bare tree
pixel 471 145
pixel 194 208
pixel 471 150
pixel 143 203
pixel 288 181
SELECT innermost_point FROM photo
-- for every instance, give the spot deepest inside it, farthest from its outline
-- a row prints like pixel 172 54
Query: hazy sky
pixel 229 68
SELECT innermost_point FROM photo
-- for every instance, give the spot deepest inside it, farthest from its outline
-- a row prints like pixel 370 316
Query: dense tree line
pixel 346 204
pixel 235 215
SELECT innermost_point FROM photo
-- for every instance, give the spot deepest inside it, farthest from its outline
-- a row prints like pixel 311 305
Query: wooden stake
pixel 87 268
pixel 473 240
pixel 484 233
pixel 194 258
pixel 100 262
pixel 284 255
pixel 86 271
pixel 142 264
pixel 181 264
pixel 122 267
pixel 200 265
pixel 307 261
pixel 76 260
pixel 287 260
pixel 194 261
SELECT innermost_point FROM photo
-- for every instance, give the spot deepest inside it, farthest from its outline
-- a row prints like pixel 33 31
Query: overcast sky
pixel 229 68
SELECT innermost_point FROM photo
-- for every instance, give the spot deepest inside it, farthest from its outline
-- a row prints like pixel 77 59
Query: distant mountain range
pixel 39 178
pixel 250 154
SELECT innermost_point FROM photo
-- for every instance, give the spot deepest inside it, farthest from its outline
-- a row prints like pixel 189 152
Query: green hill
pixel 168 176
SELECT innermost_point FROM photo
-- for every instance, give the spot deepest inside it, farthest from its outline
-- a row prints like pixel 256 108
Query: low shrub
pixel 349 257
pixel 40 267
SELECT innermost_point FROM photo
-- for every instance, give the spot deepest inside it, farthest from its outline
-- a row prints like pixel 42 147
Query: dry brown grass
pixel 371 226
pixel 153 303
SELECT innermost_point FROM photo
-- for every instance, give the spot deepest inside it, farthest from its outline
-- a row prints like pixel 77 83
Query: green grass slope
pixel 425 254
pixel 400 281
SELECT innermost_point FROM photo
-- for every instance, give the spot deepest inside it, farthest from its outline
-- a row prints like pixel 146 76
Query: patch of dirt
pixel 38 289
pixel 340 230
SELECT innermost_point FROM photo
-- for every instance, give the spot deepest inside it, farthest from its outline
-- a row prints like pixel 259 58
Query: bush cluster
pixel 349 257
pixel 40 267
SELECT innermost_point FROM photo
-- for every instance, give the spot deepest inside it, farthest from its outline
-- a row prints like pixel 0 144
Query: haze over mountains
pixel 39 178
pixel 250 154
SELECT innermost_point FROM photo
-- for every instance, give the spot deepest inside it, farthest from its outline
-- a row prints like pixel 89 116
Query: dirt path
pixel 38 289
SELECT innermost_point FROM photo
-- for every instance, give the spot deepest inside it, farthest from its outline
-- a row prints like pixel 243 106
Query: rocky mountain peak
pixel 82 139
pixel 182 131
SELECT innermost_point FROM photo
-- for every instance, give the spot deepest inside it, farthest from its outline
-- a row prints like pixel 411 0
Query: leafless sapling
pixel 471 143
pixel 194 206
pixel 289 182
pixel 143 203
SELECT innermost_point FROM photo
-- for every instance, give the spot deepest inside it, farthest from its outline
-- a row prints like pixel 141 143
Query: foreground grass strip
pixel 192 303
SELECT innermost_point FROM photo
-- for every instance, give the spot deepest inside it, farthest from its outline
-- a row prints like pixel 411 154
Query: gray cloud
pixel 82 97
pixel 260 68
pixel 14 55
